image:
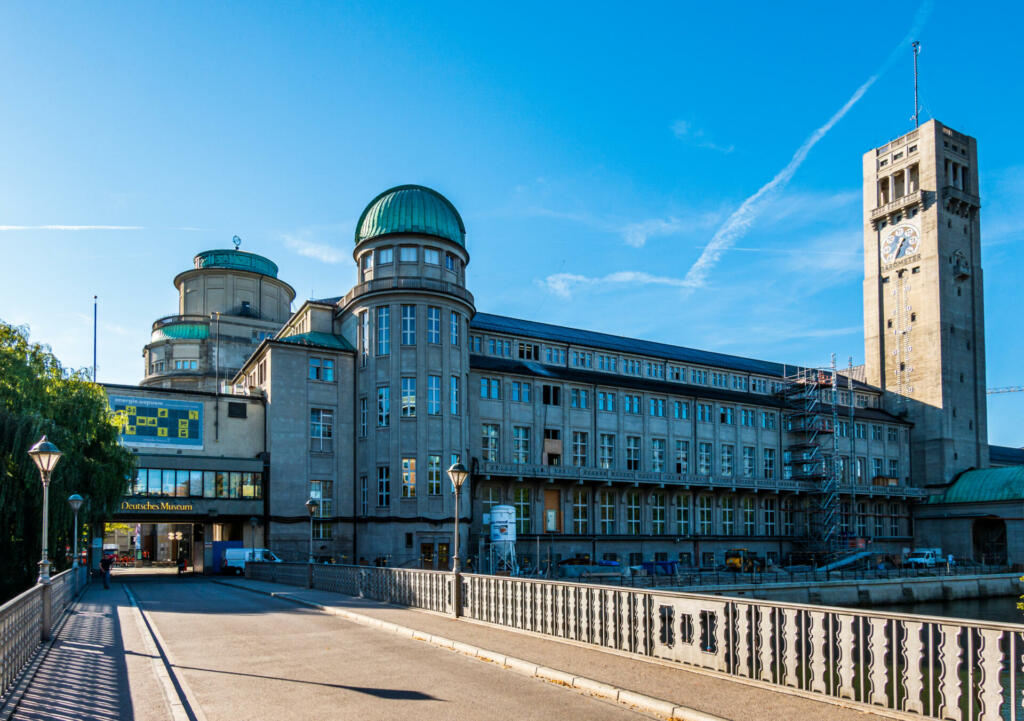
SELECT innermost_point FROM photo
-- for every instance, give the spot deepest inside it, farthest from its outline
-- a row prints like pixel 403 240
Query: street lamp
pixel 45 455
pixel 75 501
pixel 458 474
pixel 313 506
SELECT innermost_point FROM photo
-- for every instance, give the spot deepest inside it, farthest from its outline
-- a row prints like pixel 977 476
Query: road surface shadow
pixel 396 694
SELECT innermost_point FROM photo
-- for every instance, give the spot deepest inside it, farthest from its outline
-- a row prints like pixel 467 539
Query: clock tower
pixel 924 329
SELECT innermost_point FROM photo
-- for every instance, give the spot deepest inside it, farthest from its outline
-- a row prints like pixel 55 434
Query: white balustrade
pixel 919 665
pixel 21 621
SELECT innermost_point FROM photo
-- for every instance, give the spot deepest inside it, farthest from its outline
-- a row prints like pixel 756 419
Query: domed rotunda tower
pixel 227 303
pixel 411 312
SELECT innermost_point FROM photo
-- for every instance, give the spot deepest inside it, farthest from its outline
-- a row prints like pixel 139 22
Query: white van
pixel 925 558
pixel 235 558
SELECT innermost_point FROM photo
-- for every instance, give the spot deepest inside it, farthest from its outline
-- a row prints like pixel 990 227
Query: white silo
pixel 503 540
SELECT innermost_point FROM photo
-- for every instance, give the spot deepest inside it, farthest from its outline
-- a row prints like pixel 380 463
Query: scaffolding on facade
pixel 811 418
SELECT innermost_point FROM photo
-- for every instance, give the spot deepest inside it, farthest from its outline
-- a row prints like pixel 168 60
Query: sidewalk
pixel 96 668
pixel 707 694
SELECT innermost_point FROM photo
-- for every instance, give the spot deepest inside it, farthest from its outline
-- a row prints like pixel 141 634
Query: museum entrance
pixel 155 545
pixel 139 541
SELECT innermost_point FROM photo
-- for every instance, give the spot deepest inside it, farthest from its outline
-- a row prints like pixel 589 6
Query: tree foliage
pixel 38 396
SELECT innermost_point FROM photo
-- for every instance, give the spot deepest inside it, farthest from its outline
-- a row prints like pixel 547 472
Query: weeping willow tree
pixel 38 396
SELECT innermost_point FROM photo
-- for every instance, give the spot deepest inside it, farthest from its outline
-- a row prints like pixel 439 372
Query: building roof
pixel 317 338
pixel 182 331
pixel 1006 456
pixel 990 484
pixel 592 339
pixel 411 209
pixel 235 260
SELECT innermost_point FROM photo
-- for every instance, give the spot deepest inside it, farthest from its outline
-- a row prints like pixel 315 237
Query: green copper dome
pixel 411 209
pixel 235 260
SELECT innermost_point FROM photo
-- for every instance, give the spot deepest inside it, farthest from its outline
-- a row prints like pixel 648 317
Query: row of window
pixel 630 512
pixel 408 488
pixel 408 320
pixel 408 254
pixel 179 365
pixel 196 484
pixel 729 463
pixel 643 368
pixel 860 431
pixel 408 401
pixel 745 465
pixel 582 398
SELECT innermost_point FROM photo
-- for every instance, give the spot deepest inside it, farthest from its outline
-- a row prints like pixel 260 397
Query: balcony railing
pixel 172 319
pixel 597 475
pixel 381 285
pixel 906 201
pixel 962 196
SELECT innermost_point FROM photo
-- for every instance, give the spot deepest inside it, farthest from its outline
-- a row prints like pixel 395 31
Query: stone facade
pixel 229 302
pixel 923 295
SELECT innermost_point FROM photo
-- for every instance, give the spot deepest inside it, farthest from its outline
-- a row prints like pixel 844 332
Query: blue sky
pixel 594 154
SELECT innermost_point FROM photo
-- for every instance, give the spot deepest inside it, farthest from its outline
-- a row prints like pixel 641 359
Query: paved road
pixel 247 656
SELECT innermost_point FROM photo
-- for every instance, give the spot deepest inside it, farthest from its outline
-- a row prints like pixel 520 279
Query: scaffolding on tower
pixel 811 401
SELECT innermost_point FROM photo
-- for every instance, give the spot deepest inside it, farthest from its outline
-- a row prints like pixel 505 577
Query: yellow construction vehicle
pixel 743 559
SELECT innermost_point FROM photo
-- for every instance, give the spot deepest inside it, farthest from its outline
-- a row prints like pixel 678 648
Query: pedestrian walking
pixel 105 563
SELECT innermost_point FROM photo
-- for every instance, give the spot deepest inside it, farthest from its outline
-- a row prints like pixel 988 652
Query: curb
pixel 632 699
pixel 181 701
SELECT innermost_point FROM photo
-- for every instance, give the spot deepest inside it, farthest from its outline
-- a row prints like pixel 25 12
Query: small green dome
pixel 411 209
pixel 235 260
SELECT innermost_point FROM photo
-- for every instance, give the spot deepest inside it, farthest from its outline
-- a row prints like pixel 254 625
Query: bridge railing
pixel 916 666
pixel 430 590
pixel 25 621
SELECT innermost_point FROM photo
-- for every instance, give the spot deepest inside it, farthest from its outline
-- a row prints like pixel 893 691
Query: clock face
pixel 902 241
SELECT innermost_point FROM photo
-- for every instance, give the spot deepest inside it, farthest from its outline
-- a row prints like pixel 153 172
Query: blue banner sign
pixel 158 422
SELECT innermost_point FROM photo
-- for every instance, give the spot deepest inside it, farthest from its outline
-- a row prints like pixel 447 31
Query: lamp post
pixel 458 474
pixel 75 501
pixel 45 455
pixel 312 505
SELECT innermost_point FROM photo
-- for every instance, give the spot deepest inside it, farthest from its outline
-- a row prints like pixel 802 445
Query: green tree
pixel 38 396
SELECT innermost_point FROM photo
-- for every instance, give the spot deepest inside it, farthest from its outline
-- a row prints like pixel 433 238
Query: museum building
pixel 608 448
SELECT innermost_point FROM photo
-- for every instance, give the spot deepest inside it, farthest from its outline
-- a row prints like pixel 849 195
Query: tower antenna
pixel 95 302
pixel 917 108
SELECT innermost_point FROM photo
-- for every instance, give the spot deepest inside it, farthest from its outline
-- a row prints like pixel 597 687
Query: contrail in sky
pixel 737 224
pixel 71 227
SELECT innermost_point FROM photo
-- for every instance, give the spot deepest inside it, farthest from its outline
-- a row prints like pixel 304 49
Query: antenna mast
pixel 917 108
pixel 94 316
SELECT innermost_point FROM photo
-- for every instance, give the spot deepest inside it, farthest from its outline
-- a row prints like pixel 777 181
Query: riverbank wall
pixel 874 592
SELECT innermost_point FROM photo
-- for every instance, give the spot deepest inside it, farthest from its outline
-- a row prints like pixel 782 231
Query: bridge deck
pixel 235 654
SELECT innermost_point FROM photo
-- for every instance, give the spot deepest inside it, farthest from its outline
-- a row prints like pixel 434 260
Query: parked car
pixel 235 558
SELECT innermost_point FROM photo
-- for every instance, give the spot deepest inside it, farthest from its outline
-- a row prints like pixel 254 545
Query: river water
pixel 1001 609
